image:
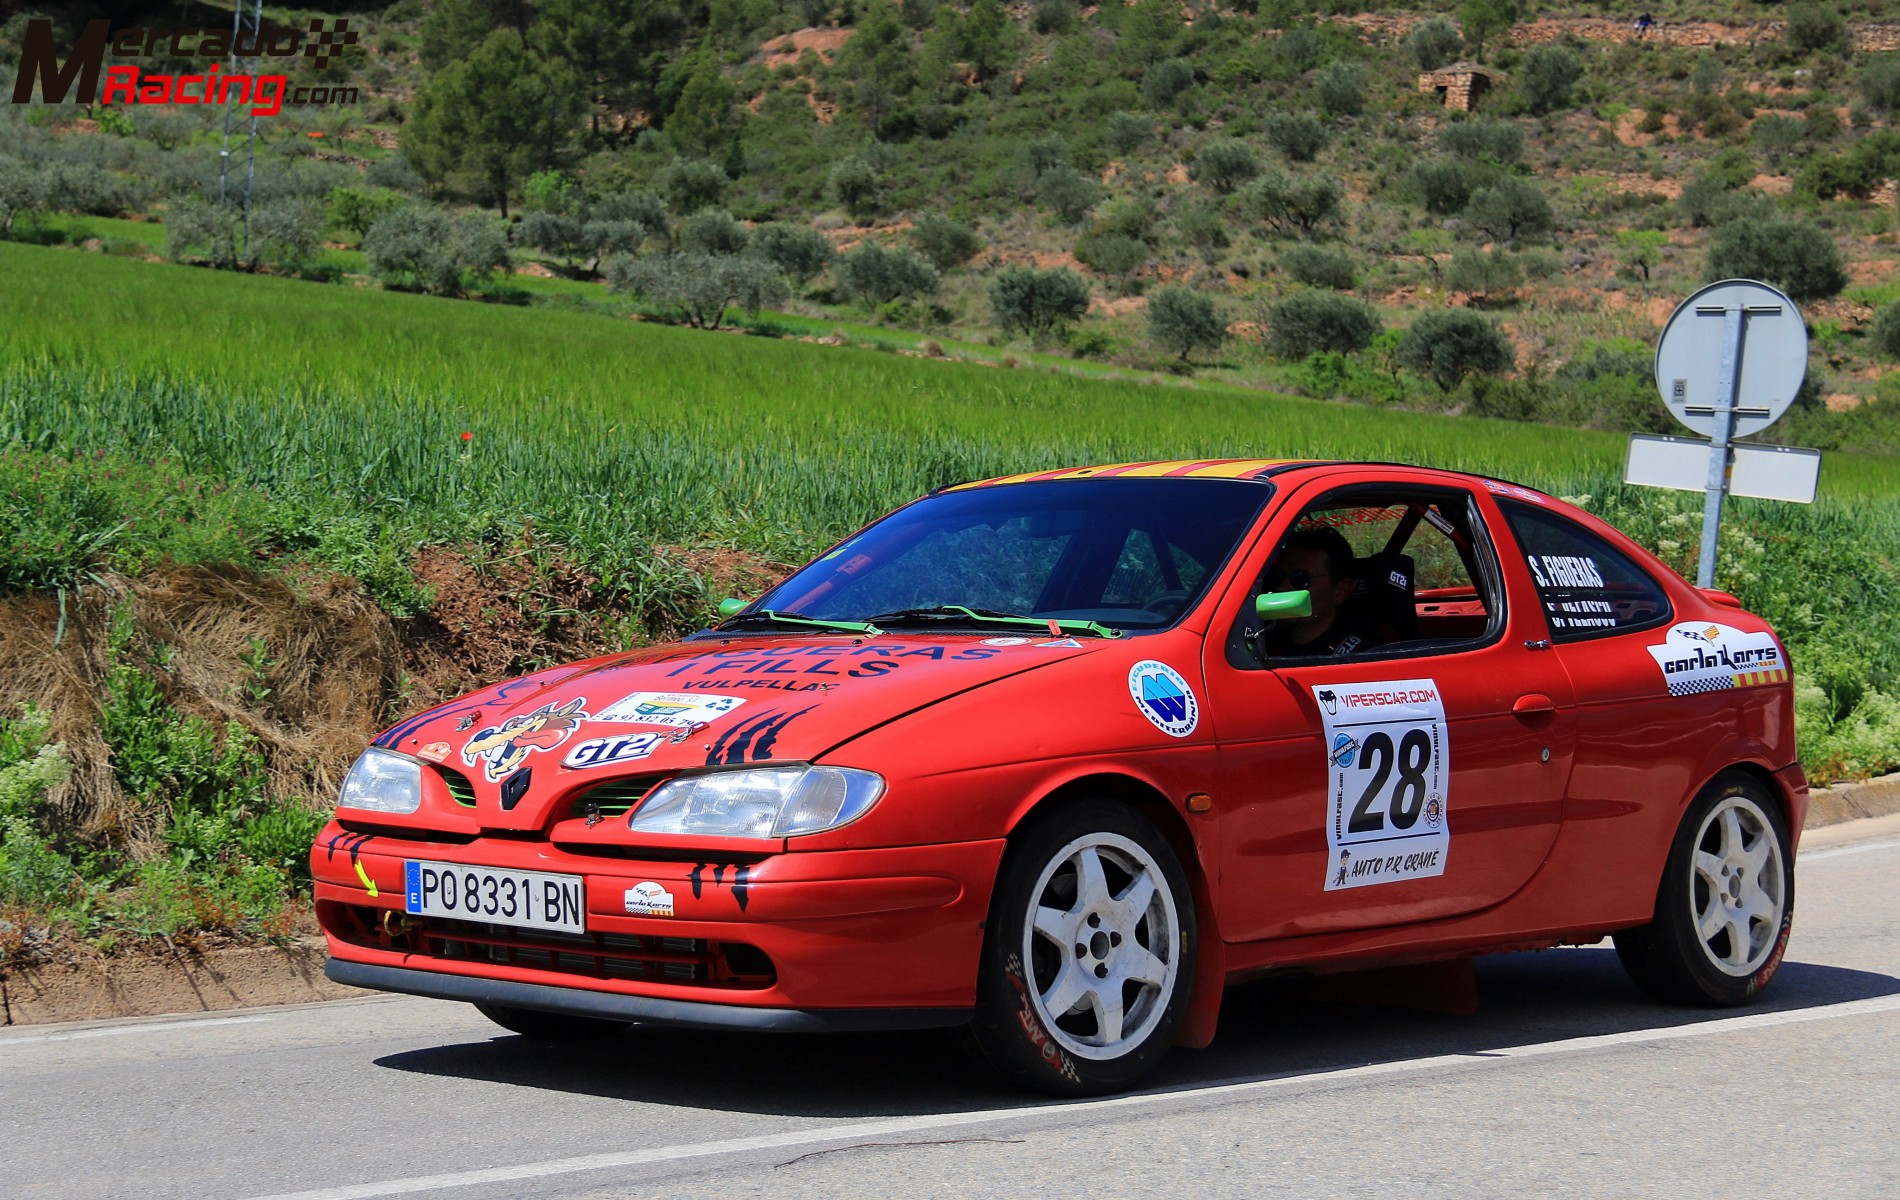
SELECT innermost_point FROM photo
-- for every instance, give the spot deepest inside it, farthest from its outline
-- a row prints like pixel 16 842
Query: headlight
pixel 383 782
pixel 761 802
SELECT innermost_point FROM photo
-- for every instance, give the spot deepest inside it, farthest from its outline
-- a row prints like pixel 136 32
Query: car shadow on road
pixel 1271 1028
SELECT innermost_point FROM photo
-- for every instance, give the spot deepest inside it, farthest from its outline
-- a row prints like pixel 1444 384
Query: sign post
pixel 1729 363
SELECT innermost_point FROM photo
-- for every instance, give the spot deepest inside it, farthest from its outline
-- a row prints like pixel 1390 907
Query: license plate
pixel 529 899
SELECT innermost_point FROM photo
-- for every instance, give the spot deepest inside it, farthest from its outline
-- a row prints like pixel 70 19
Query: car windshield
pixel 1125 554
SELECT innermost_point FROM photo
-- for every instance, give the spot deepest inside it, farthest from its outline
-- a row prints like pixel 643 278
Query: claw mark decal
pixel 504 747
pixel 751 741
pixel 351 843
pixel 741 879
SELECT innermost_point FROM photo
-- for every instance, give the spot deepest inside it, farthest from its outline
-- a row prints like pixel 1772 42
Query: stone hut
pixel 1460 84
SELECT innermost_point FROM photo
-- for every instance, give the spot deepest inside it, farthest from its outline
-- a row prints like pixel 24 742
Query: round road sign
pixel 1736 338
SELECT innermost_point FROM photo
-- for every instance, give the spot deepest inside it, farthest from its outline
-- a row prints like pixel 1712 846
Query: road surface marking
pixel 1850 848
pixel 73 1035
pixel 1219 1090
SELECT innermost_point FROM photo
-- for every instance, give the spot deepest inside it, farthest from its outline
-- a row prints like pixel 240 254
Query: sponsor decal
pixel 677 710
pixel 1007 641
pixel 1039 1038
pixel 1565 571
pixel 502 748
pixel 1398 580
pixel 1063 643
pixel 600 752
pixel 435 751
pixel 1699 657
pixel 1164 697
pixel 834 661
pixel 1500 488
pixel 1388 765
pixel 649 899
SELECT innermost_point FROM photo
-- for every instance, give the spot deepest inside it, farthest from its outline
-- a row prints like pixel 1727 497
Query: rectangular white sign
pixel 1764 472
pixel 1388 761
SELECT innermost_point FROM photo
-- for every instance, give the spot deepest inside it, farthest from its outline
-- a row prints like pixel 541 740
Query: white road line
pixel 1228 1090
pixel 1851 848
pixel 73 1035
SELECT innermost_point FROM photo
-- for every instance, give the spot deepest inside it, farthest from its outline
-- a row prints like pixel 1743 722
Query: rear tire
pixel 1088 956
pixel 1725 905
pixel 557 1027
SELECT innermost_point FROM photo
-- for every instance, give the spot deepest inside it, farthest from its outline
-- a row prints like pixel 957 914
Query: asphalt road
pixel 1567 1082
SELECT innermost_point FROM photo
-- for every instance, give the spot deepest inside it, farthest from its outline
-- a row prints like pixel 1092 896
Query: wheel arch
pixel 1195 844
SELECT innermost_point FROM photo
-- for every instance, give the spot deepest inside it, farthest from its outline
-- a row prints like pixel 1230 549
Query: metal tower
pixel 242 21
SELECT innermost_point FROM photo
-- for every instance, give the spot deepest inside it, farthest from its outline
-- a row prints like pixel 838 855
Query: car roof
pixel 1227 469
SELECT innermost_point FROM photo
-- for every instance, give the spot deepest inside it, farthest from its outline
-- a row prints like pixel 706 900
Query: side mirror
pixel 1275 605
pixel 730 607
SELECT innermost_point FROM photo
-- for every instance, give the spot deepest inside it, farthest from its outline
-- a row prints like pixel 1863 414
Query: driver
pixel 1321 562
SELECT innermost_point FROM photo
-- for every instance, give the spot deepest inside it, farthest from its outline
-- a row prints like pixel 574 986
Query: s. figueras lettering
pixel 266 93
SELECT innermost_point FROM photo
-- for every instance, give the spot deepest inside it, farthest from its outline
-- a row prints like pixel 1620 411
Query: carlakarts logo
pixel 125 83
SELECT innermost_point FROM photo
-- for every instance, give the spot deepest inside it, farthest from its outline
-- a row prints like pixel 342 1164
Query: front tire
pixel 556 1027
pixel 1726 903
pixel 1089 953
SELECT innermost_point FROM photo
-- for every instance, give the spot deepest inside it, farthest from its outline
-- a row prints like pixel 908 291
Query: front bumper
pixel 886 938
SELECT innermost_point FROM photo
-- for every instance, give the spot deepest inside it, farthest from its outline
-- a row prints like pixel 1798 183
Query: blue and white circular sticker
pixel 1164 697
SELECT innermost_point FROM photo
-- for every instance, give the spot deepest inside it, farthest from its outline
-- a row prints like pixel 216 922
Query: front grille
pixel 460 789
pixel 693 962
pixel 614 797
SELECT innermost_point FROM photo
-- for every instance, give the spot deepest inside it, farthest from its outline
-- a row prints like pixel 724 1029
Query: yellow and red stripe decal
pixel 1186 468
pixel 1757 678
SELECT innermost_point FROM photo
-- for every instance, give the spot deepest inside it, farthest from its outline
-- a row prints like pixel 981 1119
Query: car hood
pixel 716 702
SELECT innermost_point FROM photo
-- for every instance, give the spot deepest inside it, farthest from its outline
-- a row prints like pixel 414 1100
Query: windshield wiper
pixel 779 620
pixel 963 615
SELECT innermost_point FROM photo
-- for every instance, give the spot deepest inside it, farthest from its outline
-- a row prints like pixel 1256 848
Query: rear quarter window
pixel 1586 587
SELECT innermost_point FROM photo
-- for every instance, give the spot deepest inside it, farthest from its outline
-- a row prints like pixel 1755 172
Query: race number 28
pixel 1405 803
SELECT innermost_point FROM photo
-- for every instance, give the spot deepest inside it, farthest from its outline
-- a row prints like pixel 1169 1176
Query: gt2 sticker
pixel 503 747
pixel 1387 763
pixel 1706 657
pixel 674 709
pixel 599 752
pixel 1164 697
pixel 648 900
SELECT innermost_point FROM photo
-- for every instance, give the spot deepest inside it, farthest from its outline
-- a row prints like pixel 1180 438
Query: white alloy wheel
pixel 1736 888
pixel 1102 945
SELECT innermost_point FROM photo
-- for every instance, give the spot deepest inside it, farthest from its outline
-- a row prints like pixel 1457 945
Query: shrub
pixel 1443 185
pixel 1300 136
pixel 702 286
pixel 1499 141
pixel 1031 301
pixel 1511 210
pixel 1182 320
pixel 1796 256
pixel 1113 253
pixel 798 251
pixel 553 233
pixel 856 184
pixel 1298 47
pixel 1163 83
pixel 284 235
pixel 1203 228
pixel 1341 88
pixel 1310 321
pixel 1812 27
pixel 1224 165
pixel 1481 273
pixel 1295 205
pixel 420 247
pixel 1545 77
pixel 874 275
pixel 1319 266
pixel 712 231
pixel 645 208
pixel 1880 83
pixel 1069 192
pixel 691 184
pixel 1126 132
pixel 356 209
pixel 1434 43
pixel 947 244
pixel 1886 331
pixel 1447 346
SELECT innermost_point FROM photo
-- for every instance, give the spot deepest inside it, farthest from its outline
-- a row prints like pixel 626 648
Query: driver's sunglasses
pixel 1278 580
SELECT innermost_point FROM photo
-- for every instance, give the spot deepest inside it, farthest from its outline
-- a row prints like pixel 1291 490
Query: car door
pixel 1403 781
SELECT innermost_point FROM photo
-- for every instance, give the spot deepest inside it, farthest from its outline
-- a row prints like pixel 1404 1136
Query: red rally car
pixel 1057 756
